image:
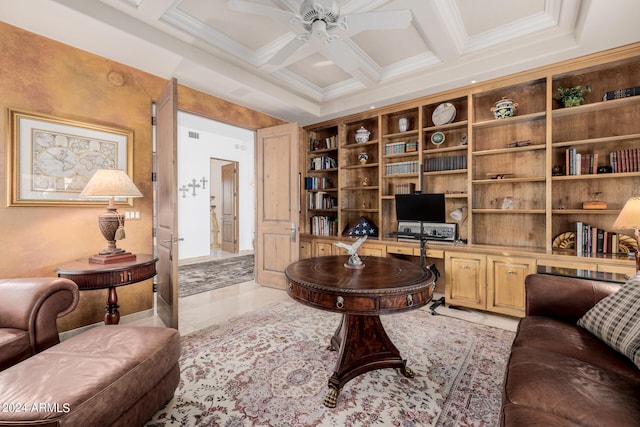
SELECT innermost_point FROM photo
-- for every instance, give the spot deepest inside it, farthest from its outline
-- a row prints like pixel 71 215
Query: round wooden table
pixel 383 286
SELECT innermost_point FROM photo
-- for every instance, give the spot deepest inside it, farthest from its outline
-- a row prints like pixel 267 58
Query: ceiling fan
pixel 320 24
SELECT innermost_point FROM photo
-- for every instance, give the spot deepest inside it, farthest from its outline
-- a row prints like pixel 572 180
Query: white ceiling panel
pixel 234 48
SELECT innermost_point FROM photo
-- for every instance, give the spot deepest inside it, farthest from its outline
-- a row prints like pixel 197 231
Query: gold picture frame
pixel 50 159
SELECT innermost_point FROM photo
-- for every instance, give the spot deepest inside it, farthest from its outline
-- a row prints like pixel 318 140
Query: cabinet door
pixel 505 284
pixel 465 283
pixel 305 248
pixel 323 248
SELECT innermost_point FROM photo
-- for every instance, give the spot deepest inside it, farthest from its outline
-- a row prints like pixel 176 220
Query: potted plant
pixel 572 96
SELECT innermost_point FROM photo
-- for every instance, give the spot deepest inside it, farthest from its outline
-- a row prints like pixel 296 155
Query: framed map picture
pixel 52 159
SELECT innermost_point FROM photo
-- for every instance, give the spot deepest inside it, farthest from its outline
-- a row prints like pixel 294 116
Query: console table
pixel 383 286
pixel 90 276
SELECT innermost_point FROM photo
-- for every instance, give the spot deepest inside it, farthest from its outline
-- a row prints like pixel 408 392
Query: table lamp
pixel 111 183
pixel 629 218
pixel 458 214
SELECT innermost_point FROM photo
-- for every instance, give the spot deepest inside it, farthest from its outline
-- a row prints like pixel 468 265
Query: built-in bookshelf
pixel 522 180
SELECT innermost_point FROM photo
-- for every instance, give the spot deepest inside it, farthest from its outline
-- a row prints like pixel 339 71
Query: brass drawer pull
pixel 340 302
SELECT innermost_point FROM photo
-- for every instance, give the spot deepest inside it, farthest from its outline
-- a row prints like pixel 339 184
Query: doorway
pixel 202 141
pixel 225 223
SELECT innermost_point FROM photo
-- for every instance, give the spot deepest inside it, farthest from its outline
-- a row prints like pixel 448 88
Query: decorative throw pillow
pixel 616 320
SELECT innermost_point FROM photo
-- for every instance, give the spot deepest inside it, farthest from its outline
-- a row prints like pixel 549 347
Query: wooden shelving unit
pixel 544 201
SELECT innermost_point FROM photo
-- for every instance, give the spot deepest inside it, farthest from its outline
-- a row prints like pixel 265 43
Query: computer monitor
pixel 422 207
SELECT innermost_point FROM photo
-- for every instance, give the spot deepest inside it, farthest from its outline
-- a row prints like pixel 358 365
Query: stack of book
pixel 323 162
pixel 592 240
pixel 445 163
pixel 400 147
pixel 322 200
pixel 317 183
pixel 323 144
pixel 625 160
pixel 400 168
pixel 404 188
pixel 322 225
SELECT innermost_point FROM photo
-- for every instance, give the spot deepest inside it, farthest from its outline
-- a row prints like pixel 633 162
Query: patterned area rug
pixel 210 275
pixel 270 368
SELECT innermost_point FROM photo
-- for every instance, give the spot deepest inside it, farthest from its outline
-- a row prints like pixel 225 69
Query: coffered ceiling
pixel 230 48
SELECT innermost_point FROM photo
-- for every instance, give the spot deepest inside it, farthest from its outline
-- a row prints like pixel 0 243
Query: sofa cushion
pixel 92 378
pixel 15 345
pixel 560 337
pixel 570 389
pixel 616 320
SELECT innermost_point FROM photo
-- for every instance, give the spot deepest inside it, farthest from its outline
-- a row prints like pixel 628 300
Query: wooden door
pixel 167 227
pixel 230 207
pixel 278 202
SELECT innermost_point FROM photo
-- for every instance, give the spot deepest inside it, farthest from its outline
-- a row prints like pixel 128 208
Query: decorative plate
pixel 443 114
pixel 565 240
pixel 437 138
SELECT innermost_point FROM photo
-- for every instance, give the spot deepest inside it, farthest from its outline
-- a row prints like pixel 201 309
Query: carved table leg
pixel 363 345
pixel 112 316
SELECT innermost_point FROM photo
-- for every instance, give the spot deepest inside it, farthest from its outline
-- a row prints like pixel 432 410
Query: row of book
pixel 317 183
pixel 445 163
pixel 323 225
pixel 399 168
pixel 626 160
pixel 592 240
pixel 321 200
pixel 403 188
pixel 401 147
pixel 323 144
pixel 322 162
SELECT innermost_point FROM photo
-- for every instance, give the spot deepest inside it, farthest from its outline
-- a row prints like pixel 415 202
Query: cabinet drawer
pixel 401 250
pixel 362 304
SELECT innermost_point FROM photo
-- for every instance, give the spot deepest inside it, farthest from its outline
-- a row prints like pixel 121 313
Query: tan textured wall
pixel 40 75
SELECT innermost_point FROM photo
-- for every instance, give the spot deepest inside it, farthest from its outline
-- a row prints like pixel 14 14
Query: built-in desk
pixel 584 274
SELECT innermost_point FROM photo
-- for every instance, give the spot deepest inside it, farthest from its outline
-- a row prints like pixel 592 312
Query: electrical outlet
pixel 132 215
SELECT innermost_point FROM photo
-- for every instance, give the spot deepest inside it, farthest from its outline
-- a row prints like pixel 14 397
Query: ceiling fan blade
pixel 341 55
pixel 258 9
pixel 288 50
pixel 385 20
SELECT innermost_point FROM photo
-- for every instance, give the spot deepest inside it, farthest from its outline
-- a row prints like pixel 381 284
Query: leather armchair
pixel 29 308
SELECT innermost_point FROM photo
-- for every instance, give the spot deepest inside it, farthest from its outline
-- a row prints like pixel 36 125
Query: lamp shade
pixel 110 183
pixel 457 214
pixel 629 217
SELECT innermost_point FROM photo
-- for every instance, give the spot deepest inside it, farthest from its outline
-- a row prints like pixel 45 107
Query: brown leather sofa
pixel 29 308
pixel 558 373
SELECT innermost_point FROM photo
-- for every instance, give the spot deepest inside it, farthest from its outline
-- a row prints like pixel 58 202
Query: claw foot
pixel 331 398
pixel 407 372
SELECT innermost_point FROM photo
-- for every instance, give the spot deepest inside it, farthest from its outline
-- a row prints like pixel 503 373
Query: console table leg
pixel 112 316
